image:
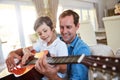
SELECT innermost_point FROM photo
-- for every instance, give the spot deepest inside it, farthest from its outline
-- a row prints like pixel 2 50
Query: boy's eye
pixel 45 30
pixel 40 34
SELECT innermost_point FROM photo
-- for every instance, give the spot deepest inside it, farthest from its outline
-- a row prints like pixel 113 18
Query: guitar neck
pixel 105 63
pixel 59 60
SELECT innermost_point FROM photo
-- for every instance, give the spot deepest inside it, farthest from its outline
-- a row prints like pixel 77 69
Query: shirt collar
pixel 73 42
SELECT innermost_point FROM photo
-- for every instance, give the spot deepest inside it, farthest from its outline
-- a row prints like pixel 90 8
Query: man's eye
pixel 68 27
pixel 61 27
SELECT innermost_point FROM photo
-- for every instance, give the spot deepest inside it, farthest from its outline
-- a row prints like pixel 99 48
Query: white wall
pixel 110 3
pixel 75 3
pixel 86 32
pixel 112 27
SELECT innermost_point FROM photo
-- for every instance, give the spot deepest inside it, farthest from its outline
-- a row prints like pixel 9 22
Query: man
pixel 69 24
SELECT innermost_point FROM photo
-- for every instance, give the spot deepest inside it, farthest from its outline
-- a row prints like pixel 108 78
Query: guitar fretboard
pixel 59 60
pixel 105 63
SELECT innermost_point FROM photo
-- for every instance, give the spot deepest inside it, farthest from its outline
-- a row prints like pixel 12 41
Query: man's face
pixel 68 29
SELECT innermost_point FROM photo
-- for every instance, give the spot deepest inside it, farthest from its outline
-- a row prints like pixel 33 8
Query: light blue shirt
pixel 78 71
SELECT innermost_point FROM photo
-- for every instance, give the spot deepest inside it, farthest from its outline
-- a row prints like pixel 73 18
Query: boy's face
pixel 45 32
pixel 68 29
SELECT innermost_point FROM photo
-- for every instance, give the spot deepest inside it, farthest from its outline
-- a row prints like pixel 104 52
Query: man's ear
pixel 78 25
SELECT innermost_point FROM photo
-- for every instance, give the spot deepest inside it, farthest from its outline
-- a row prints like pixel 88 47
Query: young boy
pixel 48 41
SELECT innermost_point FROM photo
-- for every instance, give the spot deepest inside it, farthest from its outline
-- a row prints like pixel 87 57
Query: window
pixel 29 16
pixel 15 20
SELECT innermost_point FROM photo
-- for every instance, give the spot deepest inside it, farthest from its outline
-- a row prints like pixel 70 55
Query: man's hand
pixel 10 61
pixel 18 56
pixel 50 71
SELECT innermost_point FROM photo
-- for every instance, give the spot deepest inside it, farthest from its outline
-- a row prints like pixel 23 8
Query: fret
pixel 50 60
pixel 68 59
pixel 62 60
pixel 73 60
pixel 54 59
pixel 57 60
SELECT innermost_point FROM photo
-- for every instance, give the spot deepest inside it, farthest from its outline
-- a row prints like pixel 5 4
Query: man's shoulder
pixel 81 47
pixel 80 42
pixel 77 42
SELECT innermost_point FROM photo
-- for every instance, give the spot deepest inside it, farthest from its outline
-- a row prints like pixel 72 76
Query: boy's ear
pixel 53 29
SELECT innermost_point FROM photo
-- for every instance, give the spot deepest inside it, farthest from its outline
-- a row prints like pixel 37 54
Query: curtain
pixel 2 62
pixel 47 8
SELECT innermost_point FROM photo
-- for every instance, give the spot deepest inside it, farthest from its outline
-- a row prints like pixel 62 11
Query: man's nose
pixel 64 30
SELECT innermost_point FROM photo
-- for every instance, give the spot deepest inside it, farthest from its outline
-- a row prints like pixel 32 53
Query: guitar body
pixel 27 73
pixel 9 77
pixel 31 75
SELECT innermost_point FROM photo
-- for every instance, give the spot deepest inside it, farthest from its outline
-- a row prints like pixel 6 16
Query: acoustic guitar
pixel 28 72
